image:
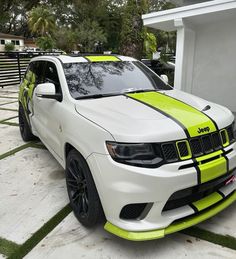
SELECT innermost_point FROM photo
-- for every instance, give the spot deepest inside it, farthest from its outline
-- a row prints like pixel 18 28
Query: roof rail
pixel 81 54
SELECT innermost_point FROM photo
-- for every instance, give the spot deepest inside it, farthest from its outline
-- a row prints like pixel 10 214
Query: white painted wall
pixel 17 47
pixel 206 48
pixel 214 64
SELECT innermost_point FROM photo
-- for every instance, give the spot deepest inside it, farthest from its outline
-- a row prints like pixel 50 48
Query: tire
pixel 25 130
pixel 83 195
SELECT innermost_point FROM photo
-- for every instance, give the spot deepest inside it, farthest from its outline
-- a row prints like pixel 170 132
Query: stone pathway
pixel 37 223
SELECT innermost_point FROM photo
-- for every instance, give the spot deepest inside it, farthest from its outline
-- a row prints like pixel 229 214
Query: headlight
pixel 142 155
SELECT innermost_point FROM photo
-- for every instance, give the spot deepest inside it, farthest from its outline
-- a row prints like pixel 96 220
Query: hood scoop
pixel 208 107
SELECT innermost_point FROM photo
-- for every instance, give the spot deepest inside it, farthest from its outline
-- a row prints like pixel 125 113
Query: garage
pixel 205 52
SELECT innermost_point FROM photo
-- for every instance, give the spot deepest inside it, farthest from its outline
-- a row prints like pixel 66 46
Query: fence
pixel 13 66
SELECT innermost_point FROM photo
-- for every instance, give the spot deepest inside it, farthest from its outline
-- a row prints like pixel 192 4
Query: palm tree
pixel 41 21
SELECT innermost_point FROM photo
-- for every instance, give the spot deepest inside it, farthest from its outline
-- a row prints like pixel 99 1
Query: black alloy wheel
pixel 82 191
pixel 25 130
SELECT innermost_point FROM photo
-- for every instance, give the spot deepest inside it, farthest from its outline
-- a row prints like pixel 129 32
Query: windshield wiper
pixel 94 96
pixel 131 90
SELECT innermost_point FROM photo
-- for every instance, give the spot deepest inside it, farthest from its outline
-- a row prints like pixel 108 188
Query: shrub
pixel 9 47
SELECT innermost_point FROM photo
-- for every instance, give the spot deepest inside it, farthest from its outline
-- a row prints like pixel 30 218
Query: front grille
pixel 230 133
pixel 183 148
pixel 170 152
pixel 207 144
pixel 198 146
pixel 223 134
pixel 192 194
pixel 216 142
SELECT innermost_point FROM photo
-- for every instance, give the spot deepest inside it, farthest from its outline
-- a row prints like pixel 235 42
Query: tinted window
pixel 110 77
pixel 2 42
pixel 17 42
pixel 34 73
pixel 39 67
pixel 51 75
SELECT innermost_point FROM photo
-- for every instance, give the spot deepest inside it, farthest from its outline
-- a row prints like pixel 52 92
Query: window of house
pixel 2 42
pixel 14 42
pixel 17 42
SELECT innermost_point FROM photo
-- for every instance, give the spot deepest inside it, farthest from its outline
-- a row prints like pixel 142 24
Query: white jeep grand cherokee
pixel 149 159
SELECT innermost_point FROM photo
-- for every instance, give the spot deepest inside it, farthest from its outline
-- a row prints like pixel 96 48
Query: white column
pixel 179 53
pixel 185 50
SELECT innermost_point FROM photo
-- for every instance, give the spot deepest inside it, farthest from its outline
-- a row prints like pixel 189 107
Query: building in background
pixel 187 2
pixel 18 41
pixel 205 52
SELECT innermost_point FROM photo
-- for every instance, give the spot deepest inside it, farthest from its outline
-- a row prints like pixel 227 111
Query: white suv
pixel 149 159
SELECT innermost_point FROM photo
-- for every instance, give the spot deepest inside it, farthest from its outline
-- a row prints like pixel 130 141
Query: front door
pixel 47 113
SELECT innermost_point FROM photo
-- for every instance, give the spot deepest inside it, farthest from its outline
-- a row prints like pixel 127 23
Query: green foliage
pixel 41 21
pixel 9 47
pixel 133 34
pixel 155 5
pixel 65 39
pixel 45 43
pixel 150 45
pixel 88 33
pixel 117 23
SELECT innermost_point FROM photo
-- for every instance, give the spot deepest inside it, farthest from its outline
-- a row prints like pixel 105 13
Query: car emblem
pixel 202 130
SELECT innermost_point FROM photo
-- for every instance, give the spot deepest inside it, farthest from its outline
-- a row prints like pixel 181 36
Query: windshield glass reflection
pixel 85 79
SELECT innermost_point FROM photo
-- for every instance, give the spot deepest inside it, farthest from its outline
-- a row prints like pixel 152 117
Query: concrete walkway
pixel 37 223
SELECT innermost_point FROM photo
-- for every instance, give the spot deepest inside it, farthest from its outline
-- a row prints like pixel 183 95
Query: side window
pixel 38 69
pixel 29 71
pixel 51 76
pixel 34 73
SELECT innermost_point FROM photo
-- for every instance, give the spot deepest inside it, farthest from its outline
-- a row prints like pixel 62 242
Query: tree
pixel 45 43
pixel 9 47
pixel 65 39
pixel 13 16
pixel 133 34
pixel 42 21
pixel 88 34
pixel 150 45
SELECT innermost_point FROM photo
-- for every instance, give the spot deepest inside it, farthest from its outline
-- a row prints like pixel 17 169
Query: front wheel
pixel 82 191
pixel 25 130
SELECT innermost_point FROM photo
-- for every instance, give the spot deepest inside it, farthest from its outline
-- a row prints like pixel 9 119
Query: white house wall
pixel 17 47
pixel 214 69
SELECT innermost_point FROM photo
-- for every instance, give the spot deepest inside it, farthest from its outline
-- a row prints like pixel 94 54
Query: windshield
pixel 110 78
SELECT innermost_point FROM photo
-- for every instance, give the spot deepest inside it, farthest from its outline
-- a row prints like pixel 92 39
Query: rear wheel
pixel 25 130
pixel 82 191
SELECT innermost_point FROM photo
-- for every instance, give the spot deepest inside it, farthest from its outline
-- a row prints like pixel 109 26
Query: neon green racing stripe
pixel 207 201
pixel 212 169
pixel 194 121
pixel 102 58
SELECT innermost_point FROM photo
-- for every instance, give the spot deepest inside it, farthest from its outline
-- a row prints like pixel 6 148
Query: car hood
pixel 130 120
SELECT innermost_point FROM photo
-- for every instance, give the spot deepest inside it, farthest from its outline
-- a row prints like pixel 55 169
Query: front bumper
pixel 119 185
pixel 174 227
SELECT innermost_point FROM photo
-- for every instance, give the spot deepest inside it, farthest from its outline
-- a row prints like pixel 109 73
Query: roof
pixel 201 13
pixel 10 36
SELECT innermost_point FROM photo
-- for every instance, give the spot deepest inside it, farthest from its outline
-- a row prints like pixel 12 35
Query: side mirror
pixel 47 91
pixel 165 78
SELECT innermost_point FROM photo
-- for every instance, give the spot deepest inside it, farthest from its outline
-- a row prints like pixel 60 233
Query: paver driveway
pixel 36 222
